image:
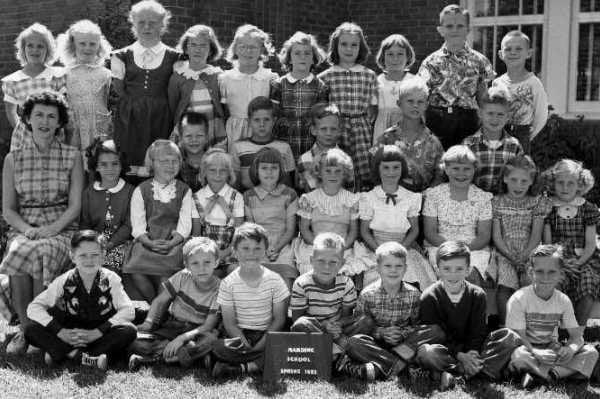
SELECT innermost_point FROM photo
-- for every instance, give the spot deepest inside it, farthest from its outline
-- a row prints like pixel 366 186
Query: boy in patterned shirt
pixel 456 75
pixel 529 103
pixel 190 296
pixel 492 145
pixel 323 300
pixel 536 312
pixel 392 307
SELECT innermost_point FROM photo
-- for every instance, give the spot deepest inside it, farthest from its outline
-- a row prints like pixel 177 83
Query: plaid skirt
pixel 222 235
pixel 356 141
pixel 587 283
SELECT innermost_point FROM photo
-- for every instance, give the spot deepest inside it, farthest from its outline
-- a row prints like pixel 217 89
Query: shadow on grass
pixel 268 388
pixel 171 371
pixel 483 389
pixel 580 390
pixel 88 377
pixel 417 382
pixel 350 386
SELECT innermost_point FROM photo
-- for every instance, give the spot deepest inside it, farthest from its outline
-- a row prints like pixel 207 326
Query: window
pixel 492 19
pixel 585 81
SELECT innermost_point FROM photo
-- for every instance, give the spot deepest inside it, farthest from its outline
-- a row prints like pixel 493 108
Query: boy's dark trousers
pixel 451 124
pixel 521 133
pixel 113 343
pixel 233 351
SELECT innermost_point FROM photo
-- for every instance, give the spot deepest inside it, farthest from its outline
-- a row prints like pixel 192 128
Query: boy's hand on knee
pixel 146 326
pixel 547 356
pixel 172 347
pixel 392 335
pixel 69 336
pixel 88 336
pixel 564 354
pixel 471 362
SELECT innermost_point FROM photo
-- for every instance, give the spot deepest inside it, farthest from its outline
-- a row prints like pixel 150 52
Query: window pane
pixel 588 63
pixel 508 7
pixel 533 7
pixel 484 8
pixel 483 41
pixel 589 5
pixel 534 64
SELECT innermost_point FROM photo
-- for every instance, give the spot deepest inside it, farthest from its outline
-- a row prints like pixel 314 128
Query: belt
pixel 451 109
pixel 43 206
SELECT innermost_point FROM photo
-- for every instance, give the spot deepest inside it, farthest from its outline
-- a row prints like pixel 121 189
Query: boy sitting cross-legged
pixel 253 300
pixel 323 300
pixel 458 308
pixel 536 312
pixel 190 297
pixel 393 307
pixel 84 311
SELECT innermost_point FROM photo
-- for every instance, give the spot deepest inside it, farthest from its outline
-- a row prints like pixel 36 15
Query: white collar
pixel 577 201
pixel 353 68
pixel 293 80
pixel 382 194
pixel 156 49
pixel 120 184
pixel 19 75
pixel 91 66
pixel 260 74
pixel 183 68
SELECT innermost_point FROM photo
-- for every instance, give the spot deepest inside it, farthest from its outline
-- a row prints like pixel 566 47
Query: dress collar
pixel 156 49
pixel 260 74
pixel 183 68
pixel 19 75
pixel 293 80
pixel 463 50
pixel 262 193
pixel 382 194
pixel 118 187
pixel 577 201
pixel 353 68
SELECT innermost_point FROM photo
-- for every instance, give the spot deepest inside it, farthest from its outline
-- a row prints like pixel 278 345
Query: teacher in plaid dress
pixel 42 183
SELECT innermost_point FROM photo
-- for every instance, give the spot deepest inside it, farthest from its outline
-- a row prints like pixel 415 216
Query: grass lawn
pixel 28 377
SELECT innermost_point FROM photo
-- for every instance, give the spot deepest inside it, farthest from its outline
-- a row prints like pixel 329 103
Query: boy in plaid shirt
pixel 492 145
pixel 392 308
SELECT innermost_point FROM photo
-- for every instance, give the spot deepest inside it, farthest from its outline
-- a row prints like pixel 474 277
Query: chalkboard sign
pixel 297 355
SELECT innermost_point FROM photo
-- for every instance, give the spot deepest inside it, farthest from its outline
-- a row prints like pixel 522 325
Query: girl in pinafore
pixel 105 203
pixel 83 50
pixel 161 219
pixel 194 84
pixel 247 80
pixel 395 57
pixel 35 52
pixel 141 75
pixel 517 226
pixel 353 88
pixel 390 212
pixel 330 208
pixel 296 92
pixel 273 205
pixel 220 206
pixel 572 223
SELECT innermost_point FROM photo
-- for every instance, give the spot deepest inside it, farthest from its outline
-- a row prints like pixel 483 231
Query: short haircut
pixel 523 162
pixel 215 156
pixel 413 85
pixel 203 244
pixel 149 5
pixel 390 248
pixel 454 9
pixel 401 42
pixel 548 250
pixel 301 38
pixel 158 147
pixel 460 154
pixel 44 33
pixel 66 42
pixel 321 110
pixel 249 231
pixel 516 33
pixel 103 146
pixel 584 176
pixel 258 103
pixel 387 153
pixel 48 97
pixel 334 157
pixel 334 40
pixel 452 250
pixel 266 155
pixel 496 95
pixel 215 50
pixel 254 32
pixel 87 236
pixel 328 240
pixel 192 118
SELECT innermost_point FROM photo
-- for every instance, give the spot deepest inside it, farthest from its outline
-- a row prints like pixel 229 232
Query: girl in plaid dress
pixel 35 52
pixel 353 88
pixel 572 223
pixel 247 80
pixel 42 183
pixel 84 49
pixel 296 92
pixel 517 225
pixel 220 207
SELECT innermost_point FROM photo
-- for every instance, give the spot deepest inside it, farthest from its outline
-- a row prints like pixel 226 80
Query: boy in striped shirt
pixel 189 295
pixel 323 300
pixel 253 300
